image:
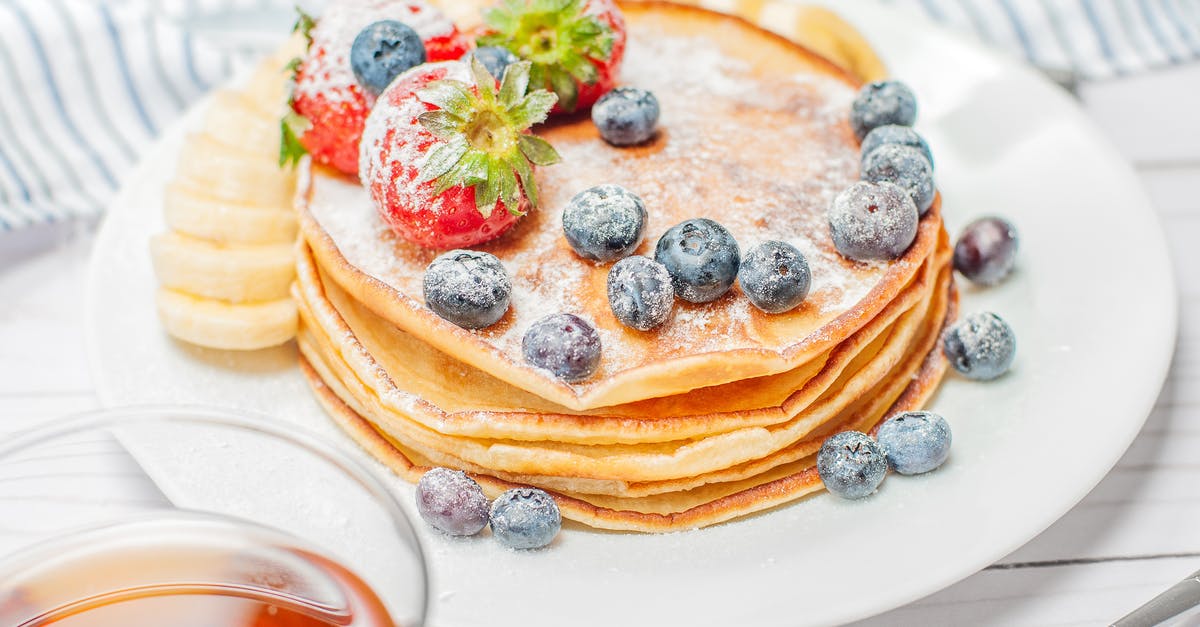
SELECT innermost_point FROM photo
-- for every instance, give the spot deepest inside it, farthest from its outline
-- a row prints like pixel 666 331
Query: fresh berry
pixel 905 166
pixel 576 46
pixel 915 441
pixel 873 221
pixel 604 222
pixel 981 346
pixel 525 518
pixel 851 465
pixel 564 344
pixel 895 134
pixel 494 58
pixel 881 103
pixel 467 287
pixel 626 116
pixel 640 292
pixel 702 257
pixel 328 103
pixel 775 276
pixel 446 155
pixel 986 251
pixel 452 502
pixel 382 51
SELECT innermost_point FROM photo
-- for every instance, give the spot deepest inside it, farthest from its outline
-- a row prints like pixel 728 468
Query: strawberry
pixel 328 105
pixel 447 156
pixel 575 46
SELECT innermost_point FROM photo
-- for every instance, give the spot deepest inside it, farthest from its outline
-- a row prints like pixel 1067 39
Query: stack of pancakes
pixel 717 414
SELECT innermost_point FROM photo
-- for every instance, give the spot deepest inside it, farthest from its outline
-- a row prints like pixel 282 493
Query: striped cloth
pixel 88 84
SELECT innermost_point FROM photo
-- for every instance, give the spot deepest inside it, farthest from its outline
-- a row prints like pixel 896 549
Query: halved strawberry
pixel 328 106
pixel 447 156
pixel 575 46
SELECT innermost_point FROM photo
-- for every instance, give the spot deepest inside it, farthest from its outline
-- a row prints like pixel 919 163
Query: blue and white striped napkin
pixel 87 84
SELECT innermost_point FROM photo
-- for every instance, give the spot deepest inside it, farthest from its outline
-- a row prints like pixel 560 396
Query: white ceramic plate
pixel 1092 304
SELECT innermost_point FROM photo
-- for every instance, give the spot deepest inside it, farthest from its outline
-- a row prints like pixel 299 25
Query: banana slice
pixel 829 35
pixel 233 273
pixel 233 121
pixel 267 86
pixel 230 173
pixel 191 211
pixel 216 324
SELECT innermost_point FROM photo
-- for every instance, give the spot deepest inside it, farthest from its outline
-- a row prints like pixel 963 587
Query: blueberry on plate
pixel 915 441
pixel 382 51
pixel 467 287
pixel 626 116
pixel 981 346
pixel 895 134
pixel 640 292
pixel 604 222
pixel 494 58
pixel 986 251
pixel 702 257
pixel 881 103
pixel 525 518
pixel 905 166
pixel 452 502
pixel 873 221
pixel 851 464
pixel 564 344
pixel 775 276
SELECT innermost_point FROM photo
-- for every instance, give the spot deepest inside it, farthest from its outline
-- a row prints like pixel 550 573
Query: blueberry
pixel 467 287
pixel 626 116
pixel 640 292
pixel 986 250
pixel 702 257
pixel 882 103
pixel 494 58
pixel 382 51
pixel 525 518
pixel 981 346
pixel 894 134
pixel 915 441
pixel 452 502
pixel 605 222
pixel 851 464
pixel 564 344
pixel 775 276
pixel 873 221
pixel 905 166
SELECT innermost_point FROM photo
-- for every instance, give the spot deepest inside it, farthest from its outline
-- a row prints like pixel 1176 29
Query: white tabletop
pixel 1134 535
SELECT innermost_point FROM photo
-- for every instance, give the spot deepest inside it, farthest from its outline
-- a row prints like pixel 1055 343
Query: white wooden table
pixel 1133 536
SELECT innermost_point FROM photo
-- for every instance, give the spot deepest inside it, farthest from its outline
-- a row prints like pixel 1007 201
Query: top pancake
pixel 753 134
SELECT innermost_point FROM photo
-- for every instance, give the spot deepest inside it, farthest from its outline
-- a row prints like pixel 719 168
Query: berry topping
pixel 895 134
pixel 640 292
pixel 981 346
pixel 905 166
pixel 986 251
pixel 873 221
pixel 525 518
pixel 446 155
pixel 851 464
pixel 881 103
pixel 775 276
pixel 467 287
pixel 576 46
pixel 626 116
pixel 915 441
pixel 494 58
pixel 605 222
pixel 564 344
pixel 382 51
pixel 452 502
pixel 702 257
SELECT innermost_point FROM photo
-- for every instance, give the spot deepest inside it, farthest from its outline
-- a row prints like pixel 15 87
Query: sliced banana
pixel 234 273
pixel 233 121
pixel 230 173
pixel 191 211
pixel 266 89
pixel 831 36
pixel 227 326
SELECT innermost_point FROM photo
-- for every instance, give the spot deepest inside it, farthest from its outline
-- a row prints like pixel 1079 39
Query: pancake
pixel 754 134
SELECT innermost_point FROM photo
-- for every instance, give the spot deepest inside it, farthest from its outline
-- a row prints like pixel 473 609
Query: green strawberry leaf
pixel 304 25
pixel 538 150
pixel 291 127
